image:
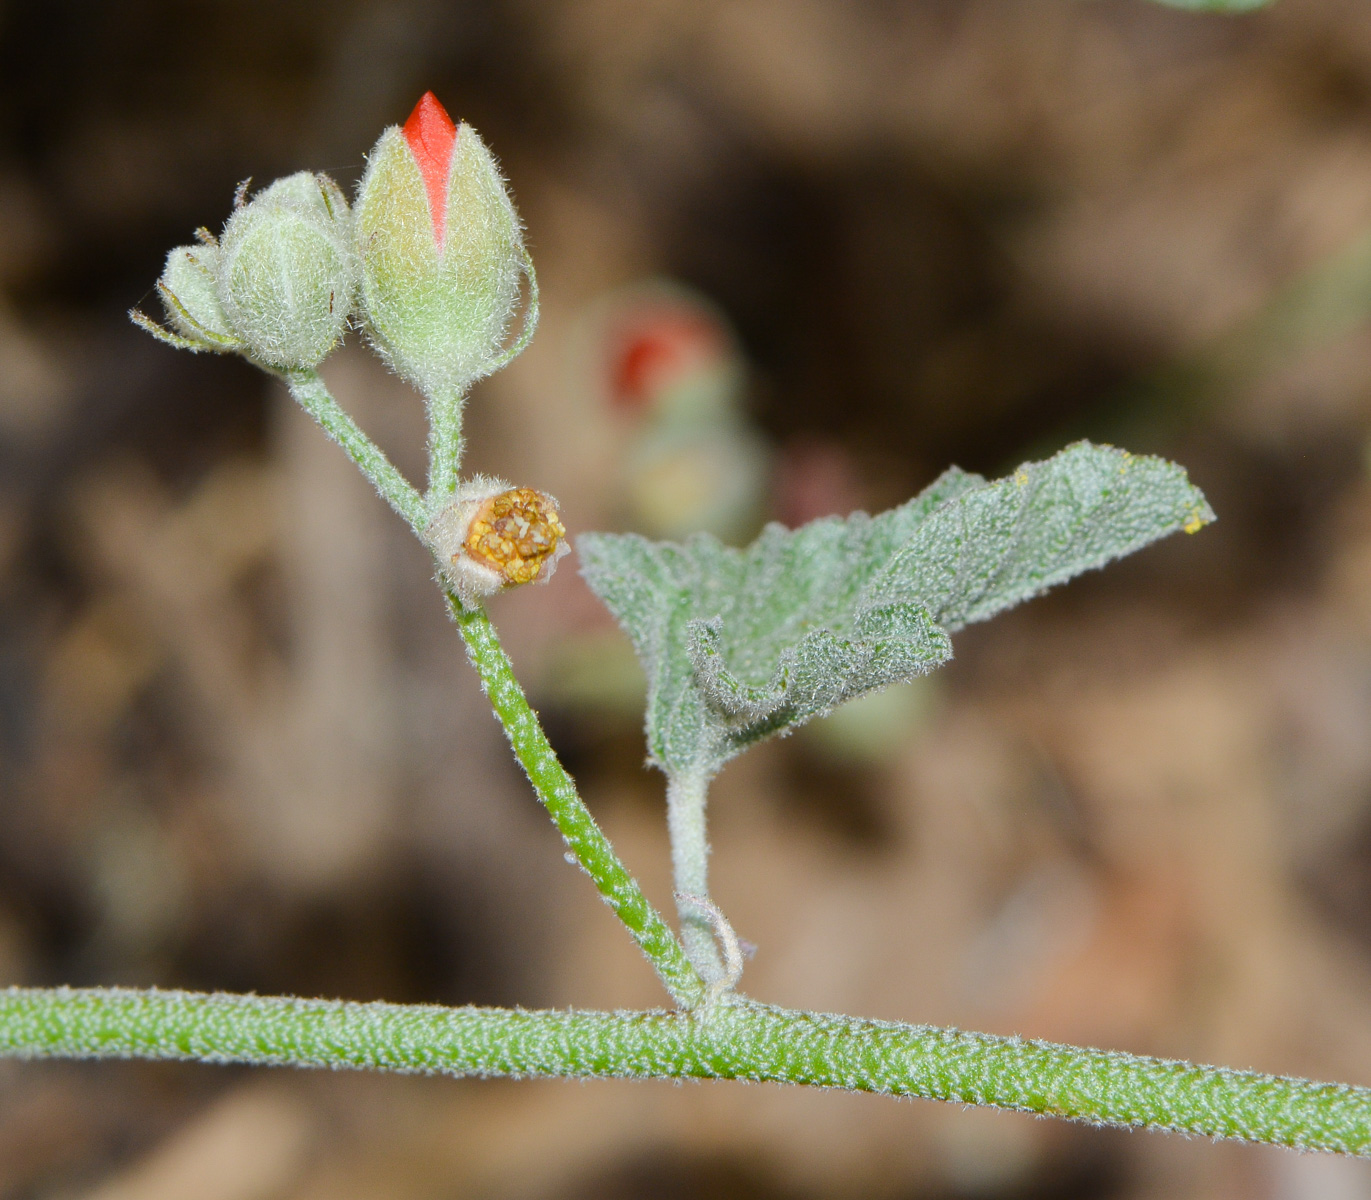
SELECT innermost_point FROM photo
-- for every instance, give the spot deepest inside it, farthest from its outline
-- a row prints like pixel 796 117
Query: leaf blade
pixel 742 644
pixel 1043 525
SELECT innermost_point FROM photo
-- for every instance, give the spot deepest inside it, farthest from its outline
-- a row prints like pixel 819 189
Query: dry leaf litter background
pixel 240 748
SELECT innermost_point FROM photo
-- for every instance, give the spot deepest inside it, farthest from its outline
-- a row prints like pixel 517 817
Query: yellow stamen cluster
pixel 515 533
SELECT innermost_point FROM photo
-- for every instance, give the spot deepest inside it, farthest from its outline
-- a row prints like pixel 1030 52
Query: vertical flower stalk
pixel 438 257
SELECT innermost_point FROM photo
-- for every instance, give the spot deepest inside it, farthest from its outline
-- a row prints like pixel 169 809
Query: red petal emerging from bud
pixel 431 136
pixel 658 349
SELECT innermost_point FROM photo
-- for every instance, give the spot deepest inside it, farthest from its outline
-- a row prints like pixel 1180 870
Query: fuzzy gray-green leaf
pixel 819 671
pixel 741 644
pixel 1013 539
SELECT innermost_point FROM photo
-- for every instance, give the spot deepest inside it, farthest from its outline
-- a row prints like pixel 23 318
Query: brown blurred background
pixel 240 747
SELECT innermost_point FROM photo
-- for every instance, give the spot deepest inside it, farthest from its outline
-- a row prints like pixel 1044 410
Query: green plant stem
pixel 685 819
pixel 557 790
pixel 313 396
pixel 554 786
pixel 731 1040
pixel 444 448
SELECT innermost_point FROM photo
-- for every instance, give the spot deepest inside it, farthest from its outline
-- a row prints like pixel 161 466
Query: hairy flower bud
pixel 494 536
pixel 191 300
pixel 286 273
pixel 441 252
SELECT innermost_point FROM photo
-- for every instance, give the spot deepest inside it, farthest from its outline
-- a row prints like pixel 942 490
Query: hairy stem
pixel 554 786
pixel 557 790
pixel 738 1040
pixel 685 820
pixel 444 448
pixel 313 396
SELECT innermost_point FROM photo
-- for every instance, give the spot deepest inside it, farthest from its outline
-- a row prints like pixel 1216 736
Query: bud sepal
pixel 493 537
pixel 190 299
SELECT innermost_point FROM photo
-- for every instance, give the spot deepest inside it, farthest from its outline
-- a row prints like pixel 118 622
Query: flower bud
pixel 441 252
pixel 287 273
pixel 191 301
pixel 493 537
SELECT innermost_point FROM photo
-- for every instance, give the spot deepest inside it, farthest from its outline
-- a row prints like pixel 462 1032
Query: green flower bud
pixel 441 251
pixel 190 298
pixel 287 274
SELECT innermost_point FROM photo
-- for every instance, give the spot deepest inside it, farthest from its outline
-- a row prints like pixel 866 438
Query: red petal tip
pixel 431 135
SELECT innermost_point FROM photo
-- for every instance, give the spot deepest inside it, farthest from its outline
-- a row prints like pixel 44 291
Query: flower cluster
pixel 277 286
pixel 429 262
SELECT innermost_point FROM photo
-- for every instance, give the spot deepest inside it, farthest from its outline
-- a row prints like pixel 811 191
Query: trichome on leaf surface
pixel 738 645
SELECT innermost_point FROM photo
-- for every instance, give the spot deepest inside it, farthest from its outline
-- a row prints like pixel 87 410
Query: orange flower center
pixel 515 532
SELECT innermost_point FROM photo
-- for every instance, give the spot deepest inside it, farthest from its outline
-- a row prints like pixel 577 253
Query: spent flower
pixel 493 537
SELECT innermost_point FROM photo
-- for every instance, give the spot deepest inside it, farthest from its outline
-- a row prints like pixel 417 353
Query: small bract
pixel 191 301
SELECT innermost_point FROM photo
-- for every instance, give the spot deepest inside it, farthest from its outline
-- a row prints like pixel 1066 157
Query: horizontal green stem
pixel 557 790
pixel 738 1040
